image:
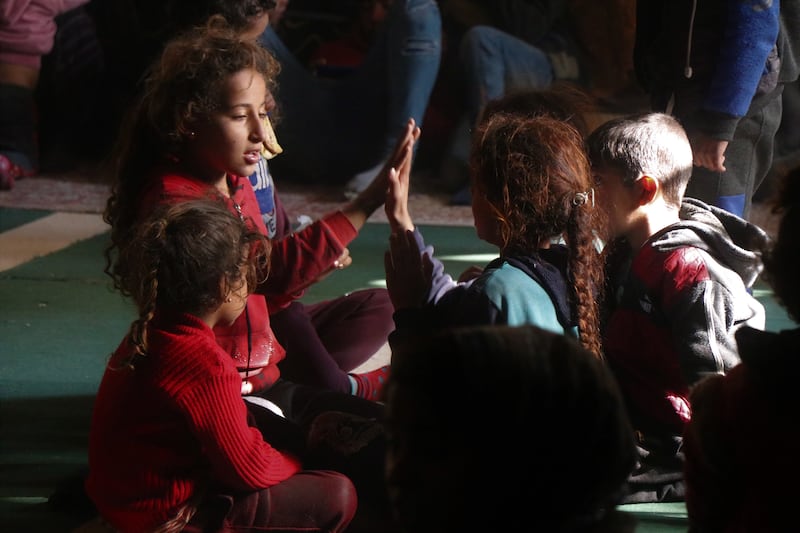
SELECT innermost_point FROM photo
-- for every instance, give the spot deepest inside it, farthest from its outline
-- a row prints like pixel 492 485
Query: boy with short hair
pixel 680 274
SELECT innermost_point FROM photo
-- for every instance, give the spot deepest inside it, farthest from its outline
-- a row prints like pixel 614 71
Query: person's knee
pixel 342 493
pixel 421 10
pixel 422 24
pixel 478 42
pixel 26 76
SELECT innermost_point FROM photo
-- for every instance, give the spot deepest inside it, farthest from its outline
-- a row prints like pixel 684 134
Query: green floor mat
pixel 59 320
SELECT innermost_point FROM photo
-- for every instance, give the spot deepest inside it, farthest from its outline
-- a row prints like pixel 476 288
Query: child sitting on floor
pixel 680 274
pixel 531 191
pixel 321 350
pixel 741 444
pixel 543 442
pixel 171 149
pixel 198 132
pixel 170 446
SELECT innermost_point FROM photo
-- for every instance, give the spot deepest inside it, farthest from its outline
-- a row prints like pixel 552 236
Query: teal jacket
pixel 512 290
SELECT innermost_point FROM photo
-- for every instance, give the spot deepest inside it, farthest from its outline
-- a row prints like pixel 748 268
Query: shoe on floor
pixel 10 172
pixel 361 181
pixel 342 433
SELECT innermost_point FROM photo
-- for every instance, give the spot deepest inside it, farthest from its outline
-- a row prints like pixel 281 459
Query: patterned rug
pixel 83 192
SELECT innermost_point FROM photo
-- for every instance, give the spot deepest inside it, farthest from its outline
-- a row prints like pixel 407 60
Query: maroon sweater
pixel 162 432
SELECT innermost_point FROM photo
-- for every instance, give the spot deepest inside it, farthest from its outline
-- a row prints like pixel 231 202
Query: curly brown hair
pixel 186 85
pixel 534 172
pixel 186 257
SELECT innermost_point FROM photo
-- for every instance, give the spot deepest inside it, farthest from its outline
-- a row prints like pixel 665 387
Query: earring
pixel 228 300
pixel 191 135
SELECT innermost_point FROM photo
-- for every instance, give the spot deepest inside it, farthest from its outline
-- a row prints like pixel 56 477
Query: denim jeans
pixel 331 129
pixel 496 63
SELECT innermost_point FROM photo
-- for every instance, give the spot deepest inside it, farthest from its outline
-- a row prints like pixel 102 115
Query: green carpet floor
pixel 59 320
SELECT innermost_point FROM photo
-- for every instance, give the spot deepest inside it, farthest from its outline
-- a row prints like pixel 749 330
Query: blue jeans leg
pixel 413 66
pixel 332 129
pixel 496 62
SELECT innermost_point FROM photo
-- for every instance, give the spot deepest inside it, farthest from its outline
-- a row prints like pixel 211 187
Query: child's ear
pixel 647 188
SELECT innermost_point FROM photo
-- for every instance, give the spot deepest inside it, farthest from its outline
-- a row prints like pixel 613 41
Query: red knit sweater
pixel 161 432
pixel 295 262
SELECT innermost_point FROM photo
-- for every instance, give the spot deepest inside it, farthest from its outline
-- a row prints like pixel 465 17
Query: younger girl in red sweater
pixel 171 447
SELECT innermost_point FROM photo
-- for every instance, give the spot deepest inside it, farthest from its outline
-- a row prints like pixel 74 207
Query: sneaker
pixel 10 172
pixel 370 384
pixel 355 446
pixel 361 181
pixel 343 434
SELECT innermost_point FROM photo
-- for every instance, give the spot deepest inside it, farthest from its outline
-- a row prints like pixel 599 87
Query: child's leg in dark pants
pixel 343 433
pixel 308 501
pixel 355 326
pixel 307 360
pixel 326 340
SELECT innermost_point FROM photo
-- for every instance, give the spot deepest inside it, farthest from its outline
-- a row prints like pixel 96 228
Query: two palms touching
pixel 408 273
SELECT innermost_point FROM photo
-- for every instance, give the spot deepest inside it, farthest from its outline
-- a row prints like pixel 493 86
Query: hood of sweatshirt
pixel 731 240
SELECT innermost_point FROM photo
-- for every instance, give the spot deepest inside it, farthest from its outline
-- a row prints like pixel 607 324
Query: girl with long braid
pixel 532 197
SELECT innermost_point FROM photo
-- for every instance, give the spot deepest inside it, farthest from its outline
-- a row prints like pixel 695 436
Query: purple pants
pixel 326 340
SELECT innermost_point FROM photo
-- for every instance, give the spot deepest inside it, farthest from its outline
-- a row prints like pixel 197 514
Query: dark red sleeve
pixel 300 258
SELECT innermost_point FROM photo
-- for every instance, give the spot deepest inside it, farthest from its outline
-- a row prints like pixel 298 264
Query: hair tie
pixel 582 197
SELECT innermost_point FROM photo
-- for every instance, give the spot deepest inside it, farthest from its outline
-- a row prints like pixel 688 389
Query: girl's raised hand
pixel 374 195
pixel 396 205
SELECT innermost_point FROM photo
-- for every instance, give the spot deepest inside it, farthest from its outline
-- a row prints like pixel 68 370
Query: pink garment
pixel 28 28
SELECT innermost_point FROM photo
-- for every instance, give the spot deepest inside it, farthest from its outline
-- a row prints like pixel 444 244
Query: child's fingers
pixel 394 177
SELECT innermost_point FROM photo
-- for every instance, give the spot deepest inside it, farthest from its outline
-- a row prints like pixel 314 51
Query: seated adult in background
pixel 506 45
pixel 741 444
pixel 27 32
pixel 498 428
pixel 341 131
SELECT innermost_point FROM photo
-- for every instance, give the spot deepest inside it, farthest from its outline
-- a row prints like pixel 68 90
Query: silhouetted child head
pixel 497 428
pixel 561 100
pixel 531 185
pixel 192 257
pixel 782 261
